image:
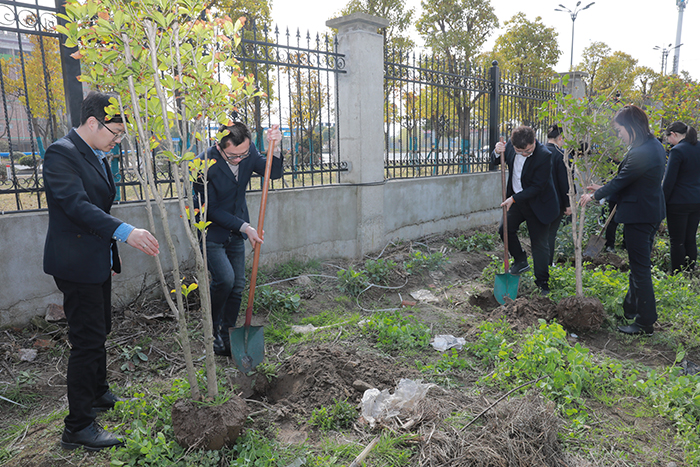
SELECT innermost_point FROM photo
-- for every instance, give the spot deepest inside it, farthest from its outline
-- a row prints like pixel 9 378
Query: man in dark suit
pixel 560 178
pixel 531 198
pixel 80 253
pixel 236 160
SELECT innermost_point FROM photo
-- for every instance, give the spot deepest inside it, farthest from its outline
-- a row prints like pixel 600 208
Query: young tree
pixel 161 57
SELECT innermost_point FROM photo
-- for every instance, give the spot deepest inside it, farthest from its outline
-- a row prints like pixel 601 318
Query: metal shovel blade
pixel 594 247
pixel 506 285
pixel 247 347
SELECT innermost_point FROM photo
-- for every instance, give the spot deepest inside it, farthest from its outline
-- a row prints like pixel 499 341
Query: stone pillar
pixel 576 85
pixel 361 121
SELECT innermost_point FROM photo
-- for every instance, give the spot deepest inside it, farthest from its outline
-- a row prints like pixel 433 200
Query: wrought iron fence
pixel 444 117
pixel 33 107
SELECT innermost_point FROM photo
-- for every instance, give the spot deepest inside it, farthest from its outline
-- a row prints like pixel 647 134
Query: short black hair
pixel 237 133
pixel 522 137
pixel 94 105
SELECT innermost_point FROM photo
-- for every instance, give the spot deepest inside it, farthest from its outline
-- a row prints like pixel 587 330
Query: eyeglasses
pixel 231 156
pixel 116 137
pixel 524 152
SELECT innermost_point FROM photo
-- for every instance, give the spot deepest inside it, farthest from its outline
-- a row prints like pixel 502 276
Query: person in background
pixel 236 160
pixel 681 187
pixel 531 199
pixel 641 208
pixel 560 179
pixel 81 253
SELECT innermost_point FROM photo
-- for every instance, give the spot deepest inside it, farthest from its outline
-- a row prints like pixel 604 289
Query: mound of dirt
pixel 317 376
pixel 524 312
pixel 581 313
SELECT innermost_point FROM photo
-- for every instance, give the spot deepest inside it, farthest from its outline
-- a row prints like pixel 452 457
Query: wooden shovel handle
pixel 261 223
pixel 505 212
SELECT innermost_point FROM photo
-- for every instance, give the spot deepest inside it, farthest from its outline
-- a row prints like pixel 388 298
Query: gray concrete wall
pixel 307 223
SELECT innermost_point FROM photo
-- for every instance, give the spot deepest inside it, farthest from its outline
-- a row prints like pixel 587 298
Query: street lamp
pixel 573 14
pixel 664 55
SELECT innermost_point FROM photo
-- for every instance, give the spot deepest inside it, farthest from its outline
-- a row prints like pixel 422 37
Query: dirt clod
pixel 208 427
pixel 581 313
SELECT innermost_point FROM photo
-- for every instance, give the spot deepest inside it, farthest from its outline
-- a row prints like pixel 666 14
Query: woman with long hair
pixel 682 192
pixel 640 207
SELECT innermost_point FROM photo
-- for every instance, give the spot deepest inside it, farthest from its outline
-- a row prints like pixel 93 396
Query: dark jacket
pixel 682 179
pixel 559 176
pixel 538 188
pixel 637 185
pixel 79 196
pixel 227 208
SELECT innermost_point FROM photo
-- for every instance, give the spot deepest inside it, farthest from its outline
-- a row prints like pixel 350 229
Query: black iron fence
pixel 444 117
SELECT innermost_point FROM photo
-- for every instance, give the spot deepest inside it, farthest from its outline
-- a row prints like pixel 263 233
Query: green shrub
pixel 28 160
pixel 395 331
pixel 479 241
pixel 419 262
pixel 352 282
pixel 341 415
pixel 379 270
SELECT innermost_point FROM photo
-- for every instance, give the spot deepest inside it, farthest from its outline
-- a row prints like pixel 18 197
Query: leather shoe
pixel 544 292
pixel 519 267
pixel 106 402
pixel 220 348
pixel 92 438
pixel 636 328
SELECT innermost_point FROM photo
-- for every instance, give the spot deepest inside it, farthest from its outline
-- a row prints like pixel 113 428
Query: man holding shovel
pixel 236 160
pixel 531 198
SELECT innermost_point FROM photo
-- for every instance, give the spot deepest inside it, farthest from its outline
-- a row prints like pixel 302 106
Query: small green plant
pixel 379 270
pixel 268 369
pixel 277 301
pixel 296 267
pixel 133 357
pixel 479 241
pixel 352 282
pixel 419 262
pixel 341 415
pixel 395 331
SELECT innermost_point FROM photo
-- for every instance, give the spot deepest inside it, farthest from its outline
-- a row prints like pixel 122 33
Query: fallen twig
pixel 364 452
pixel 501 398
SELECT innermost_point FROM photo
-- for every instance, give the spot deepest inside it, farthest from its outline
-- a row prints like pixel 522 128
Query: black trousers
pixel 683 220
pixel 89 315
pixel 640 299
pixel 539 239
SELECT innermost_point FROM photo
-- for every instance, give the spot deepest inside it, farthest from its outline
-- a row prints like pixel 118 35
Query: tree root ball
pixel 208 427
pixel 581 313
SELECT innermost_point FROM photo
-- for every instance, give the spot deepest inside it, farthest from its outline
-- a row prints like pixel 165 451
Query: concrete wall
pixel 306 223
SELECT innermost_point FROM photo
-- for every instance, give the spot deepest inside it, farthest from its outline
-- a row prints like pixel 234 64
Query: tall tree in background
pixel 591 60
pixel 455 31
pixel 394 11
pixel 46 101
pixel 616 76
pixel 527 51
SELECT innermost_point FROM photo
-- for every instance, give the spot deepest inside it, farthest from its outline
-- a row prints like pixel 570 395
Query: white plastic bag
pixel 443 342
pixel 380 405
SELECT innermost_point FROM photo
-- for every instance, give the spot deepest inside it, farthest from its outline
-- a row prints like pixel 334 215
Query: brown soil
pixel 341 366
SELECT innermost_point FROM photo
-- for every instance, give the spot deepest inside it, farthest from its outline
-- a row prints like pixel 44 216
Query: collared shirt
pixel 518 164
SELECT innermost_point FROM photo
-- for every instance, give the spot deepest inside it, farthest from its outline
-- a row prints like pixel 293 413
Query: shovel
pixel 248 342
pixel 597 243
pixel 506 284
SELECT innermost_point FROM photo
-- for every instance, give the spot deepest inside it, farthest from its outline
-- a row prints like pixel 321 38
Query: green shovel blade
pixel 506 285
pixel 247 347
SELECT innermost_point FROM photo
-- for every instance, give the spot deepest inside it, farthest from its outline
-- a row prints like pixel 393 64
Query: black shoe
pixel 519 267
pixel 221 348
pixel 92 438
pixel 544 292
pixel 106 402
pixel 636 328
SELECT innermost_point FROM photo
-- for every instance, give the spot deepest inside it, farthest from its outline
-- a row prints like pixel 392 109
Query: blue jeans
pixel 226 263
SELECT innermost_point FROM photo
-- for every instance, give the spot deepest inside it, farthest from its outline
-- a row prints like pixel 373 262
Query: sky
pixel 631 26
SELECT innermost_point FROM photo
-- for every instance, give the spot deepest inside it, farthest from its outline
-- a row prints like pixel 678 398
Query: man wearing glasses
pixel 80 253
pixel 531 198
pixel 236 160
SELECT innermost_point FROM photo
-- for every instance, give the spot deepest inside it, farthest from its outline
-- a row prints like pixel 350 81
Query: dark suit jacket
pixel 79 196
pixel 538 188
pixel 640 199
pixel 682 180
pixel 227 208
pixel 559 176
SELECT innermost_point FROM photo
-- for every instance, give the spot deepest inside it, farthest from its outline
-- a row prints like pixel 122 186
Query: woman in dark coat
pixel 640 207
pixel 682 192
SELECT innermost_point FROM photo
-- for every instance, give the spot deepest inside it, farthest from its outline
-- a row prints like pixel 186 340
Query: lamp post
pixel 573 15
pixel 664 55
